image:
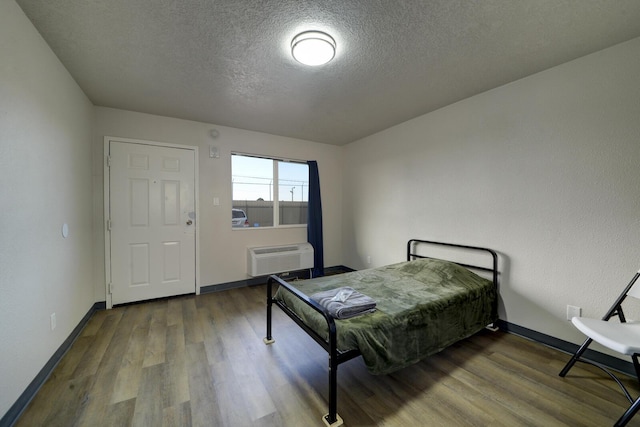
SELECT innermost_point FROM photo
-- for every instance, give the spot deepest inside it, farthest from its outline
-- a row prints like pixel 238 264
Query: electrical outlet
pixel 573 311
pixel 53 321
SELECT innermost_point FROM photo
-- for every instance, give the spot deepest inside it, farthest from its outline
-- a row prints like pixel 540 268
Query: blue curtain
pixel 314 219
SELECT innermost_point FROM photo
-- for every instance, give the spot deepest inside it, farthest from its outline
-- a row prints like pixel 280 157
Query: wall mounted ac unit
pixel 265 260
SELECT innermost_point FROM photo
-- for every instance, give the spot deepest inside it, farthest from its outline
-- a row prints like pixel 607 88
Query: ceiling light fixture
pixel 313 48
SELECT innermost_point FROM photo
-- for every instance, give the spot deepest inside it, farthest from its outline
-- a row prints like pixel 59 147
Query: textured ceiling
pixel 228 62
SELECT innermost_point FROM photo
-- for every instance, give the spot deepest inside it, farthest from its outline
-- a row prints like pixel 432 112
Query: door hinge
pixel 108 225
pixel 108 161
pixel 110 289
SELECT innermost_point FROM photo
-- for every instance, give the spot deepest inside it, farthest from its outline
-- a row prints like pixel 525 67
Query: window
pixel 270 192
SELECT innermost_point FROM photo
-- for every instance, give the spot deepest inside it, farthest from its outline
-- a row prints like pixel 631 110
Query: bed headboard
pixel 414 246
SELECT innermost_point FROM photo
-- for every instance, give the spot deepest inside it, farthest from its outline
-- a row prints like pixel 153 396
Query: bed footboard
pixel 332 419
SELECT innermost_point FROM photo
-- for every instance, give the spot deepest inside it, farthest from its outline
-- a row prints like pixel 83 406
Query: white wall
pixel 222 250
pixel 45 166
pixel 545 170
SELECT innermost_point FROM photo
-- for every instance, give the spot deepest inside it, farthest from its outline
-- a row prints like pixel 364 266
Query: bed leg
pixel 332 419
pixel 493 327
pixel 336 423
pixel 269 339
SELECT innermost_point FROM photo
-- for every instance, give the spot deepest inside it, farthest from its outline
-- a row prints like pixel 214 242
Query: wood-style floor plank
pixel 177 416
pixel 155 349
pixel 130 372
pixel 150 399
pixel 203 398
pixel 92 358
pixel 200 361
pixel 176 379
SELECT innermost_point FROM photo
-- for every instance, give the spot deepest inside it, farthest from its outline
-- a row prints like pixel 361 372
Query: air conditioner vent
pixel 265 260
pixel 275 249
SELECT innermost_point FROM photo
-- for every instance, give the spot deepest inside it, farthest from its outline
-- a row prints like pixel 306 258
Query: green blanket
pixel 423 306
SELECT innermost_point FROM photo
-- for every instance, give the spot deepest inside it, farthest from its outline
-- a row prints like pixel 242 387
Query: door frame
pixel 107 208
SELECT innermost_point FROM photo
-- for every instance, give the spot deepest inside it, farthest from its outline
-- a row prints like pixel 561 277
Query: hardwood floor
pixel 200 361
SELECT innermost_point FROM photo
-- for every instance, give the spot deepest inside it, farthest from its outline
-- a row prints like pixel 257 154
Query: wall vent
pixel 265 260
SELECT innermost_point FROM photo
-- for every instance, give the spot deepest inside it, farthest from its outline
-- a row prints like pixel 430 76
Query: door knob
pixel 189 222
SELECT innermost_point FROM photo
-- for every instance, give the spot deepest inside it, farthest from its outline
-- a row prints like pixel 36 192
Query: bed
pixel 423 305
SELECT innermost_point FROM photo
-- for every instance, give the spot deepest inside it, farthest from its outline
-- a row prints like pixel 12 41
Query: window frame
pixel 276 190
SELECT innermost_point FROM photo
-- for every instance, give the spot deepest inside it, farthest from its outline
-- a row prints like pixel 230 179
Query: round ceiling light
pixel 313 48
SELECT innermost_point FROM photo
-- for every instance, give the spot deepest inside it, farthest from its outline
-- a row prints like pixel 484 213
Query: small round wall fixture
pixel 313 48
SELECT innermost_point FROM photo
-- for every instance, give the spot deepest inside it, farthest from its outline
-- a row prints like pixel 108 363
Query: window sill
pixel 275 227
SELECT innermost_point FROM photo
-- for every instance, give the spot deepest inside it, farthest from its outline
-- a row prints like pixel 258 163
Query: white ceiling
pixel 228 62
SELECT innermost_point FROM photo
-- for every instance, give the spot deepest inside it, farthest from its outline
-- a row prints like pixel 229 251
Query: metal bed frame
pixel 336 357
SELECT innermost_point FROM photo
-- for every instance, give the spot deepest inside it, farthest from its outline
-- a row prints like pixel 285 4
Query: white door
pixel 152 212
